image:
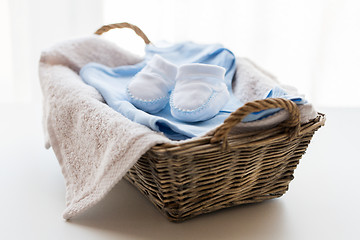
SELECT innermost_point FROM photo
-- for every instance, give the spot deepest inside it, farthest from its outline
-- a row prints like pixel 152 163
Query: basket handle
pixel 221 133
pixel 136 29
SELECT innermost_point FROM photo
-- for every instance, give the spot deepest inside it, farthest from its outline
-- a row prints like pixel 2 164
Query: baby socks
pixel 197 91
pixel 200 92
pixel 150 89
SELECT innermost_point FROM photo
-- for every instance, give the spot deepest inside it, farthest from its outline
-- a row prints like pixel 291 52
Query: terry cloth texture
pixel 94 144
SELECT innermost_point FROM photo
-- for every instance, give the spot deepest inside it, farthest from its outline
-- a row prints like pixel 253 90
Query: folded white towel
pixel 94 144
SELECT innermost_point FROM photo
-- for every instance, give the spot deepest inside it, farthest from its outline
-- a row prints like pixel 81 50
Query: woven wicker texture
pixel 190 179
pixel 136 29
pixel 219 171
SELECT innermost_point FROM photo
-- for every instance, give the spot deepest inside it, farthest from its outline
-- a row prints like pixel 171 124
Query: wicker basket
pixel 223 169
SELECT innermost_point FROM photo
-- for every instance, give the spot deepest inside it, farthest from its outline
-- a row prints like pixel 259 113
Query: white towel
pixel 95 145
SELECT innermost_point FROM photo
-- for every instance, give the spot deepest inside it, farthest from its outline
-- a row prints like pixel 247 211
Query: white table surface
pixel 322 202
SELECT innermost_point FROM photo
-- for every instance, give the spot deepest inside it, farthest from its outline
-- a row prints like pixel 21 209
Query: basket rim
pixel 267 135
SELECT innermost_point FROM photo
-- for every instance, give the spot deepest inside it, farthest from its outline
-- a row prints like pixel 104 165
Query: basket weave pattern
pixel 191 179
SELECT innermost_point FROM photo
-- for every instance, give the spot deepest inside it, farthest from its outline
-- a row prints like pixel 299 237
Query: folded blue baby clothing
pixel 112 83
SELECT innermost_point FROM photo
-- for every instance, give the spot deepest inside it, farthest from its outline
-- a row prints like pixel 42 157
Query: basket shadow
pixel 127 212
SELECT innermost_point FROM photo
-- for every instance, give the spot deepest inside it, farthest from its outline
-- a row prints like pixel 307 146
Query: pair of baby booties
pixel 195 91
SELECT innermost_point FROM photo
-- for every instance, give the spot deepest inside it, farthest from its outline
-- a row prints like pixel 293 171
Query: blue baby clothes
pixel 149 90
pixel 112 84
pixel 200 92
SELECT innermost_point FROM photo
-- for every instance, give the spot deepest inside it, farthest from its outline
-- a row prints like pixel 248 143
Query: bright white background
pixel 310 44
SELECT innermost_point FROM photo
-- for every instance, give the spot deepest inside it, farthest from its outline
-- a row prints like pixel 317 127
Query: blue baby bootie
pixel 149 90
pixel 200 92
